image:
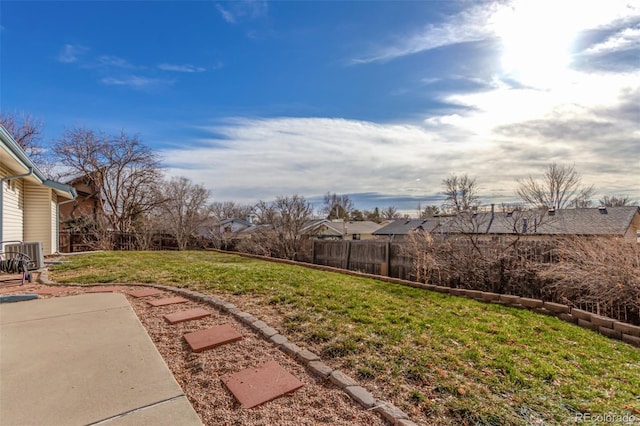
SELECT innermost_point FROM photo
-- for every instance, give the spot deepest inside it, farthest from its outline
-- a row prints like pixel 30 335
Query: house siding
pixel 13 207
pixel 55 221
pixel 38 218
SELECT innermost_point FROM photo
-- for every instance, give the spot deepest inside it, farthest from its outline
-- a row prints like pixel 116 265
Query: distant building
pixel 325 229
pixel 621 222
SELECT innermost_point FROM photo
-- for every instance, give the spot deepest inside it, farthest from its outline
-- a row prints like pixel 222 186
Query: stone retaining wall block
pixel 580 314
pixel 568 318
pixel 531 303
pixel 632 330
pixel 557 308
pixel 614 334
pixel 633 340
pixel 490 296
pixel 587 324
pixel 602 321
pixel 510 299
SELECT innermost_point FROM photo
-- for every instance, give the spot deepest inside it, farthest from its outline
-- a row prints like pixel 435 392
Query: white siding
pixel 54 218
pixel 38 222
pixel 12 207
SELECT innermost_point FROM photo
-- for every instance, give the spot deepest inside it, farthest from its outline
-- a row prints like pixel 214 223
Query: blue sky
pixel 380 100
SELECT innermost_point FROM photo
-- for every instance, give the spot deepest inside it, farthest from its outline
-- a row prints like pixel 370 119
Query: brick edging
pixel 303 356
pixel 608 327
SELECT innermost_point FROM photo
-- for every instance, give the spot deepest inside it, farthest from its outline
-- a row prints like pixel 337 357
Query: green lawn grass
pixel 440 358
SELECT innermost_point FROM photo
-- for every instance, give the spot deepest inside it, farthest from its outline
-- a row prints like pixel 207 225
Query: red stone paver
pixel 167 301
pixel 104 289
pixel 191 314
pixel 211 337
pixel 255 386
pixel 144 292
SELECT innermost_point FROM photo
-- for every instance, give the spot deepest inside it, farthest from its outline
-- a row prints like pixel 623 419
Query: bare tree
pixel 286 216
pixel 337 206
pixel 229 209
pixel 123 169
pixel 615 201
pixel 461 193
pixel 27 132
pixel 25 129
pixel 184 209
pixel 559 187
pixel 390 213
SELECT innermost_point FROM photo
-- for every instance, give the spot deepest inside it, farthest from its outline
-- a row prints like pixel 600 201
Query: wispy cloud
pixel 71 53
pixel 466 26
pixel 181 68
pixel 485 137
pixel 628 38
pixel 484 21
pixel 136 82
pixel 115 62
pixel 226 15
pixel 241 10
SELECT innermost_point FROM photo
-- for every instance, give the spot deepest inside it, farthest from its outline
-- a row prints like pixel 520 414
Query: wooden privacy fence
pixel 393 259
pixel 371 257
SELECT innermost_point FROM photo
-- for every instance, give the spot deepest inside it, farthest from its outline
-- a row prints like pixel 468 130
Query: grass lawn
pixel 440 358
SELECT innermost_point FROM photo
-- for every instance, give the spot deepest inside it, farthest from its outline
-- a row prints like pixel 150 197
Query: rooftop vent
pixel 603 210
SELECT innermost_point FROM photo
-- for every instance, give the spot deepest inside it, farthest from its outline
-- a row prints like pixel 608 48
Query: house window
pixel 355 237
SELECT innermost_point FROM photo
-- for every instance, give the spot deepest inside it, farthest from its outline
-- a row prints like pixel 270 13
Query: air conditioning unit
pixel 34 250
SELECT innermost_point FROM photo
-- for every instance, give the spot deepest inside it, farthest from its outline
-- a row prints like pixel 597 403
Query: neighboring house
pixel 621 222
pixel 29 202
pixel 399 229
pixel 325 229
pixel 360 230
pixel 233 225
pixel 87 202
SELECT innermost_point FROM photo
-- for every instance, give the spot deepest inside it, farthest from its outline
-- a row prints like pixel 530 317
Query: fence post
pixel 347 255
pixel 386 266
pixel 313 252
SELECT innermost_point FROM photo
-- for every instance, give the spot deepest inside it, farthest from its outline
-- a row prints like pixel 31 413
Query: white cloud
pixel 71 53
pixel 628 38
pixel 497 136
pixel 115 62
pixel 135 81
pixel 541 22
pixel 181 68
pixel 226 15
pixel 467 26
pixel 241 10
